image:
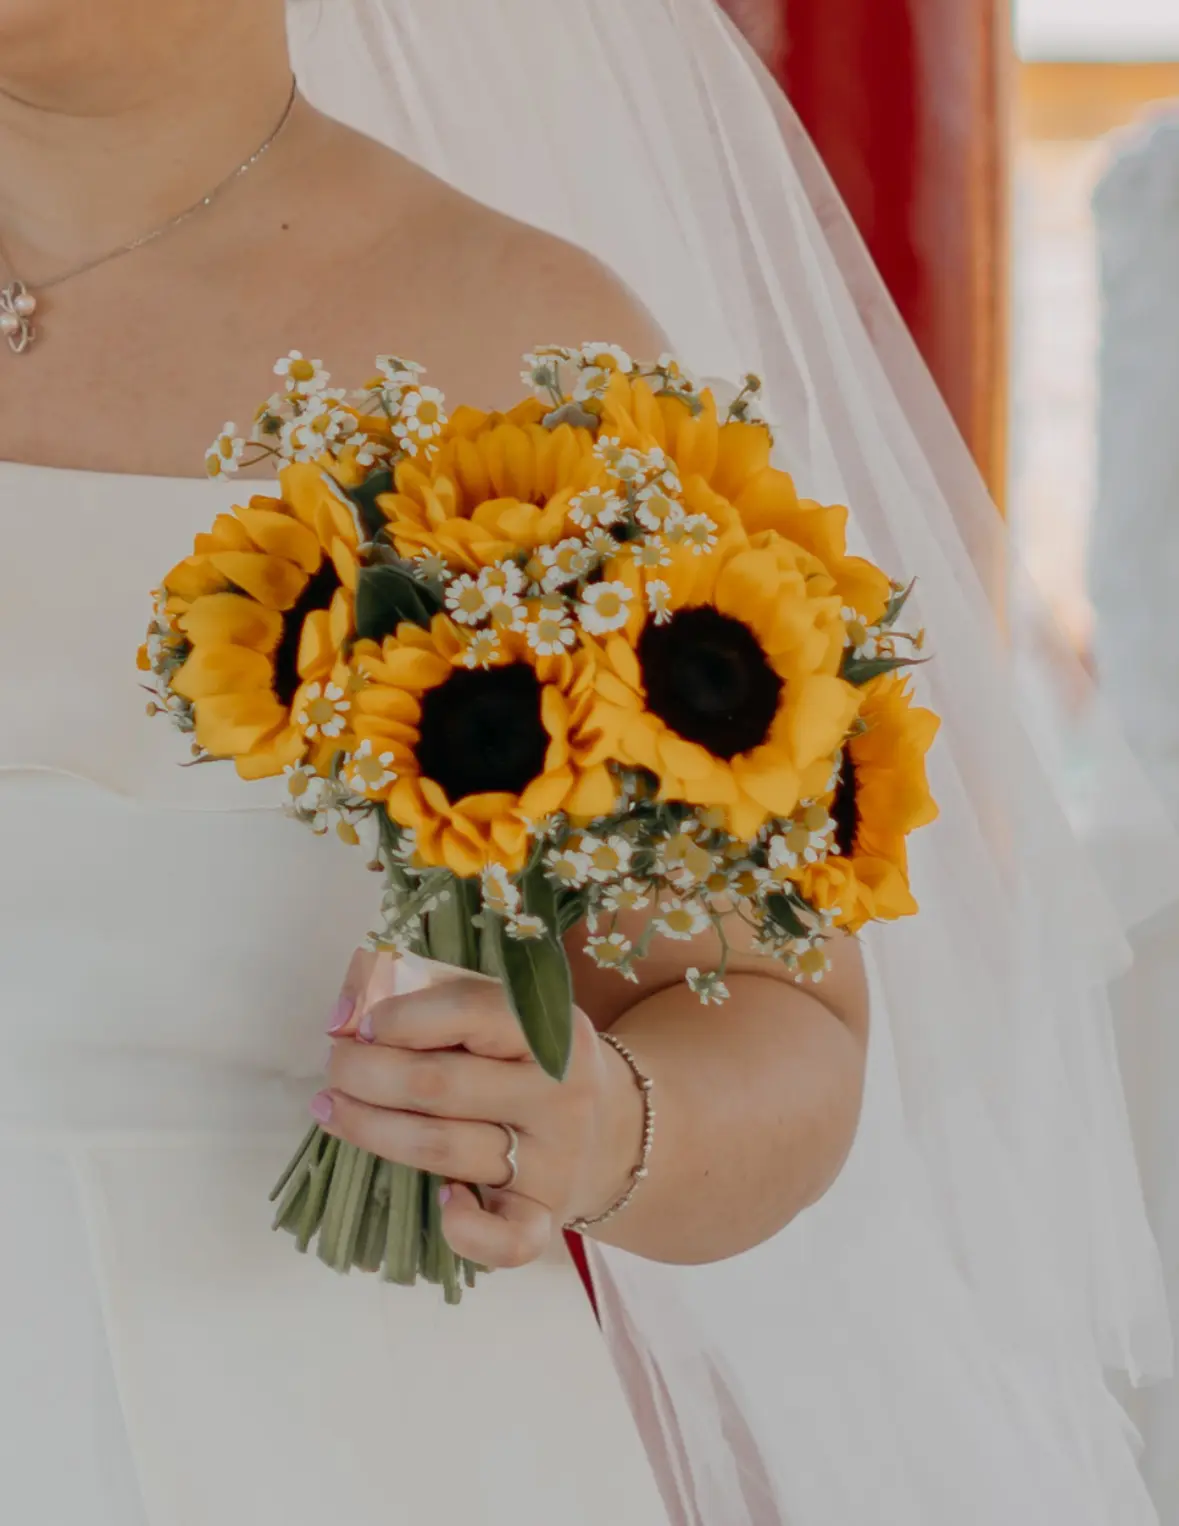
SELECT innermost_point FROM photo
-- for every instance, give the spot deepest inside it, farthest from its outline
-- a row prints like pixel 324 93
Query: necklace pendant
pixel 17 306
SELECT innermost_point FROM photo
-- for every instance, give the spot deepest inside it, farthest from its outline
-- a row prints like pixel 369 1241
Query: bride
pixel 915 1333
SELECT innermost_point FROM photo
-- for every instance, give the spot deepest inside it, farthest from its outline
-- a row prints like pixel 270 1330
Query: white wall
pixel 1097 29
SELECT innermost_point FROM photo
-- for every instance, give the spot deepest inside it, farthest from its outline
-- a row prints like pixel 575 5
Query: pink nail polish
pixel 366 1033
pixel 445 1194
pixel 322 1107
pixel 341 1014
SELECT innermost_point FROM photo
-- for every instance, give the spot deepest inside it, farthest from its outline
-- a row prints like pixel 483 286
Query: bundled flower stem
pixel 587 660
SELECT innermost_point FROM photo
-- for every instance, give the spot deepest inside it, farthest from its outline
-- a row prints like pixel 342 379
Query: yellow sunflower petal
pixel 279 534
pixel 231 618
pixel 228 725
pixel 275 584
pixel 212 670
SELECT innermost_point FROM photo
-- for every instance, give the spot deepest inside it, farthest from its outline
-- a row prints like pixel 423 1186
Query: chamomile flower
pixel 601 545
pixel 542 373
pixel 302 784
pixel 611 952
pixel 369 772
pixel 563 563
pixel 624 465
pixel 323 710
pixel 397 373
pixel 609 357
pixel 466 601
pixel 681 920
pixel 224 456
pixel 604 607
pixel 549 632
pixel 658 511
pixel 709 987
pixel 500 895
pixel 423 417
pixel 697 532
pixel 430 565
pixel 527 928
pixel 810 960
pixel 502 583
pixel 596 508
pixel 609 857
pixel 806 838
pixel 866 641
pixel 649 553
pixel 568 868
pixel 483 650
pixel 659 601
pixel 302 376
pixel 372 451
pixel 627 895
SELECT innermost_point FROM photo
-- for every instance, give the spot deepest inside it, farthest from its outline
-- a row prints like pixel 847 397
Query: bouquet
pixel 584 660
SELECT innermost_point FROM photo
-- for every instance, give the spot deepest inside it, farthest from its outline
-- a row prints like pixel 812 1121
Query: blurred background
pixel 1015 172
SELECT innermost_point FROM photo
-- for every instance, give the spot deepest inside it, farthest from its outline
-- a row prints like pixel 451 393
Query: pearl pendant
pixel 17 306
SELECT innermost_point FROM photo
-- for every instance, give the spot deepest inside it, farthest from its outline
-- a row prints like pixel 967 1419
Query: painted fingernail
pixel 445 1194
pixel 366 1033
pixel 341 1014
pixel 322 1107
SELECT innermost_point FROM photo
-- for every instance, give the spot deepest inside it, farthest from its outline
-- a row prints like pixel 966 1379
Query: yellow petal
pixel 819 713
pixel 281 535
pixel 228 725
pixel 546 794
pixel 227 669
pixel 410 668
pixel 594 794
pixel 232 618
pixel 272 756
pixel 275 583
pixel 770 780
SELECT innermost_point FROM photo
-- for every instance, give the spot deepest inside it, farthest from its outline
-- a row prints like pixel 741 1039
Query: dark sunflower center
pixel 318 594
pixel 844 808
pixel 707 678
pixel 481 732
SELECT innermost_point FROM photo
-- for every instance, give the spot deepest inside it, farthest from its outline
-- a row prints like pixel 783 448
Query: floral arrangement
pixel 592 660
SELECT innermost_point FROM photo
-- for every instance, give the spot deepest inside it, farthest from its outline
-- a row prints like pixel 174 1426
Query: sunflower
pixel 722 673
pixel 882 795
pixel 470 756
pixel 265 604
pixel 495 486
pixel 734 460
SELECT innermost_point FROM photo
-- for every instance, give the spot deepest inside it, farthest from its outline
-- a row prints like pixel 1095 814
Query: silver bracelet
pixel 647 1088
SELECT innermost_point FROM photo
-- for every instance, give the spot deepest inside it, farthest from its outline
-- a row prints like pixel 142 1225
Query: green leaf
pixel 385 596
pixel 862 670
pixel 896 604
pixel 539 988
pixel 365 498
pixel 451 936
pixel 785 918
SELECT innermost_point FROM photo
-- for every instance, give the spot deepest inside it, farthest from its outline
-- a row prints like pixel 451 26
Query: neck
pixel 96 157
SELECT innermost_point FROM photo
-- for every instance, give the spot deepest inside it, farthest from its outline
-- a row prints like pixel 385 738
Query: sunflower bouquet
pixel 590 661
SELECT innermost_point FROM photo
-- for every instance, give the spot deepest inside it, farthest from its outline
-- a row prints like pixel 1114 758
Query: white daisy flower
pixel 430 565
pixel 709 987
pixel 549 632
pixel 627 895
pixel 698 533
pixel 466 601
pixel 527 928
pixel 372 451
pixel 596 507
pixel 502 583
pixel 810 960
pixel 649 553
pixel 625 465
pixel 483 650
pixel 563 563
pixel 604 607
pixel 323 710
pixel 423 416
pixel 681 920
pixel 302 782
pixel 542 373
pixel 749 881
pixel 399 373
pixel 368 772
pixel 609 857
pixel 611 952
pixel 805 839
pixel 610 357
pixel 568 868
pixel 499 894
pixel 302 376
pixel 601 545
pixel 224 456
pixel 684 856
pixel 592 382
pixel 866 641
pixel 659 601
pixel 658 511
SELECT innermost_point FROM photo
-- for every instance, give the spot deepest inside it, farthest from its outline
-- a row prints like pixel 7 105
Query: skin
pixel 114 114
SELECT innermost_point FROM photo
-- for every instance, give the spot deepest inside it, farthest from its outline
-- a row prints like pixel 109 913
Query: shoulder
pixel 486 287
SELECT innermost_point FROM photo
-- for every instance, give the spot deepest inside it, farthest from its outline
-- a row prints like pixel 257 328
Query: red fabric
pixel 580 1261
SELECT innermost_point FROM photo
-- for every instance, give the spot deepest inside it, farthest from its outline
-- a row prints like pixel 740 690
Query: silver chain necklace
pixel 18 303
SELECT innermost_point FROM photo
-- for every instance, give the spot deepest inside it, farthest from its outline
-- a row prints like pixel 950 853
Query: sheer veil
pixel 929 1343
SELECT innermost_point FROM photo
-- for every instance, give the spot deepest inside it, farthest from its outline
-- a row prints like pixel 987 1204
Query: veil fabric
pixel 930 1342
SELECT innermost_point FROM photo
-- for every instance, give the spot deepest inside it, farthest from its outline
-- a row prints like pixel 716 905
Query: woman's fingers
pixel 447 1083
pixel 510 1231
pixel 466 1012
pixel 457 1150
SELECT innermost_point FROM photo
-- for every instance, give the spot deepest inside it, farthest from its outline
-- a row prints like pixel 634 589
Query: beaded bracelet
pixel 646 1087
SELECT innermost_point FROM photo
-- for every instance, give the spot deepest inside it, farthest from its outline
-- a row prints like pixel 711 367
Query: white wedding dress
pixel 170 947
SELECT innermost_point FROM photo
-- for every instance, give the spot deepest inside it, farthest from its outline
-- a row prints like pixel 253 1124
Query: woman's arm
pixel 756 1105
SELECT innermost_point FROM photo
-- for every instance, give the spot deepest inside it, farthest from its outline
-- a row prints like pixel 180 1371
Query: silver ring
pixel 512 1158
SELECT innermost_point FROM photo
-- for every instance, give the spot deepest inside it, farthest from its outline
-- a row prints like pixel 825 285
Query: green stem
pixel 403 1242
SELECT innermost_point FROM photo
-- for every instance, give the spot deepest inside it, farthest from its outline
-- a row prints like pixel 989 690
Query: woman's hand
pixel 427 1079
